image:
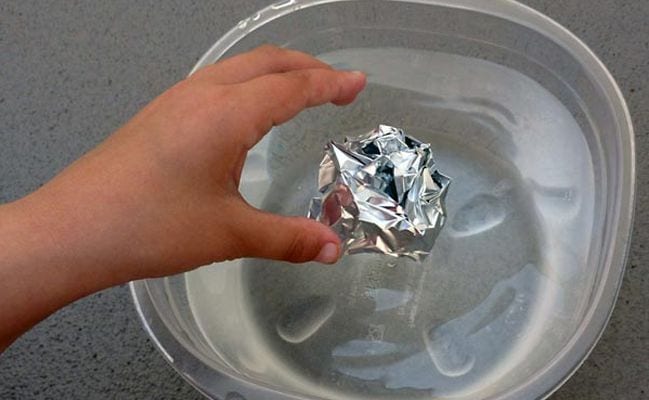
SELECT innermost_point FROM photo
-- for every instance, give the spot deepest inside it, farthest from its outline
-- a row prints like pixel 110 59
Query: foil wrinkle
pixel 382 193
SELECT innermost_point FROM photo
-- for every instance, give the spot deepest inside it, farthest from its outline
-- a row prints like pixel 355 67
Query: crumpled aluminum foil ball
pixel 381 192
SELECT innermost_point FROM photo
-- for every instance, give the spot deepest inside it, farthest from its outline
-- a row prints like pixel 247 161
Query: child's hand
pixel 160 196
pixel 163 190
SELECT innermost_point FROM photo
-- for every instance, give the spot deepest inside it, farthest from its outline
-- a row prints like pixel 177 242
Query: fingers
pixel 261 61
pixel 274 99
pixel 292 239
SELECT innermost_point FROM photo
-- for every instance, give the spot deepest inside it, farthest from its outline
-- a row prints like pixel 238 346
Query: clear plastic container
pixel 524 276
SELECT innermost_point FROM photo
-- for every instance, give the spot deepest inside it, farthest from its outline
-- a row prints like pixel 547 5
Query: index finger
pixel 263 60
pixel 274 99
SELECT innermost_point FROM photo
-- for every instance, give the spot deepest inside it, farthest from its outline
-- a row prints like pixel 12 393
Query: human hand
pixel 160 196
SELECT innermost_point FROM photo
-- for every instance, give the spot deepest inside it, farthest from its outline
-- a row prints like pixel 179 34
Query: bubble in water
pixel 448 351
pixel 480 214
pixel 302 320
pixel 391 264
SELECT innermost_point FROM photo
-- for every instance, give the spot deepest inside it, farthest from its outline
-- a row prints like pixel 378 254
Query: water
pixel 494 301
pixel 304 318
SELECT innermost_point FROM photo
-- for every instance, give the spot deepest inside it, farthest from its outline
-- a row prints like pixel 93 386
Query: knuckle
pixel 299 249
pixel 224 93
pixel 319 90
pixel 306 84
pixel 276 81
pixel 313 85
pixel 304 77
pixel 217 103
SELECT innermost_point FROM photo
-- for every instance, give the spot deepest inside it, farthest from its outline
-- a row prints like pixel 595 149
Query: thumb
pixel 293 239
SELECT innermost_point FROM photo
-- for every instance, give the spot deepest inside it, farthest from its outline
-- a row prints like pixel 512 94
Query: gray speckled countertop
pixel 72 71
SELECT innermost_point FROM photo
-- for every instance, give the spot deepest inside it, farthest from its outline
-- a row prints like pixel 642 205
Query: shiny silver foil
pixel 381 192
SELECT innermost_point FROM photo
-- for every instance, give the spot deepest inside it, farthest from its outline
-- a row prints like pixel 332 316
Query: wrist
pixel 44 254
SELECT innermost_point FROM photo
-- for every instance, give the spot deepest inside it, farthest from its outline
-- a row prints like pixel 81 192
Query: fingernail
pixel 328 254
